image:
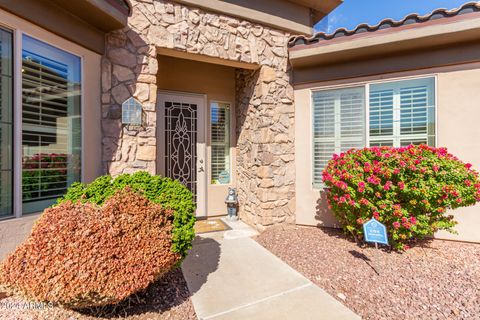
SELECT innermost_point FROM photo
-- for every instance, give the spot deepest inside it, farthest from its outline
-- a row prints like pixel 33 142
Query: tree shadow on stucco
pixel 323 214
pixel 170 290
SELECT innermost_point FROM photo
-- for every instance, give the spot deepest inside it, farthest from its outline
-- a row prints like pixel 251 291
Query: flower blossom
pixel 387 185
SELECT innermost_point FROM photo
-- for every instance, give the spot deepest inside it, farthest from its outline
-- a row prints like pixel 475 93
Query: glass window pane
pixel 338 125
pixel 402 112
pixel 381 112
pixel 51 132
pixel 6 125
pixel 416 142
pixel 220 142
pixel 385 143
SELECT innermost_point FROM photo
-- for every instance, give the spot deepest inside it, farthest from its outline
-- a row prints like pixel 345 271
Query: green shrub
pixel 169 193
pixel 408 189
pixel 83 255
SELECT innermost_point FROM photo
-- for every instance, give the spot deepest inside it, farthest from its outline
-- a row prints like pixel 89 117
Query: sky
pixel 354 12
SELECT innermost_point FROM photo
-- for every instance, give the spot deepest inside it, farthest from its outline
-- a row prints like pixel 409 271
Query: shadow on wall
pixel 247 150
pixel 323 214
pixel 245 81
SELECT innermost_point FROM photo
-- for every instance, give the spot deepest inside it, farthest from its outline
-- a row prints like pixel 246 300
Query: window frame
pixel 231 137
pixel 366 84
pixel 12 121
pixel 20 27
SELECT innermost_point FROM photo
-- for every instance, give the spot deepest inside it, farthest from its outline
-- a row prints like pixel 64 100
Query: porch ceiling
pixel 106 15
pixel 84 22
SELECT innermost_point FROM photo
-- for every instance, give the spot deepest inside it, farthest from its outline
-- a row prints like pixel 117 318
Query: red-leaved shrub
pixel 408 189
pixel 82 255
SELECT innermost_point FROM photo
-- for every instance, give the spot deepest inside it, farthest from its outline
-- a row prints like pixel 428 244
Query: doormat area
pixel 214 225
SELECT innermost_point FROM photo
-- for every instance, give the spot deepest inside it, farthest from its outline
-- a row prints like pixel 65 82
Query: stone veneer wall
pixel 265 111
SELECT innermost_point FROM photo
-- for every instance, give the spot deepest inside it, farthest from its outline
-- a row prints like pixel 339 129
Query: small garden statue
pixel 232 203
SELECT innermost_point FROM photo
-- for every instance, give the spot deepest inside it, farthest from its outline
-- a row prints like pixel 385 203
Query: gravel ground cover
pixel 434 280
pixel 168 298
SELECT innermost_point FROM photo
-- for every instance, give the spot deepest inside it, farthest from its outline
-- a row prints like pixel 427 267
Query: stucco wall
pixel 13 231
pixel 264 97
pixel 457 122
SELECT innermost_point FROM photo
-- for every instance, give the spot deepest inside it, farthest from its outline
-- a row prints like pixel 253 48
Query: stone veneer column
pixel 264 108
pixel 266 154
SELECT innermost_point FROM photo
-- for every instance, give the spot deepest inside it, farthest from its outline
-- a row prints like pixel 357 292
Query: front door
pixel 181 141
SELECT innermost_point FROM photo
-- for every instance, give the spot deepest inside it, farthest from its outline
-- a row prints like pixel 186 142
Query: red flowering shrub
pixel 408 189
pixel 82 255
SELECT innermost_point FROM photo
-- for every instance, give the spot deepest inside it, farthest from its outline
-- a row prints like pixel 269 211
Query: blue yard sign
pixel 375 231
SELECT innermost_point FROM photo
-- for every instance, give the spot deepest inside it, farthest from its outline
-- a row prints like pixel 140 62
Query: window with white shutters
pixel 402 113
pixel 51 125
pixel 338 125
pixel 220 143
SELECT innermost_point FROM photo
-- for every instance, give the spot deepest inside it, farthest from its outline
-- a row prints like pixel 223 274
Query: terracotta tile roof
pixel 414 18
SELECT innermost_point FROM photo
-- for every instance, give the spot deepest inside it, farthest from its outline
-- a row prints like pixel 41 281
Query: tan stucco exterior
pixel 91 113
pixel 457 125
pixel 217 82
pixel 81 21
pixel 13 231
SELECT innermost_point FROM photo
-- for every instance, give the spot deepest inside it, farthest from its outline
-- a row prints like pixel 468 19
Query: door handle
pixel 200 168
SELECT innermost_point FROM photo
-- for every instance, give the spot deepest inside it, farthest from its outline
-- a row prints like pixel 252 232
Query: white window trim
pixel 232 135
pixel 20 27
pixel 366 84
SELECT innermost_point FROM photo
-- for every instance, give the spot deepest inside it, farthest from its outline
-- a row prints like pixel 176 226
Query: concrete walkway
pixel 232 277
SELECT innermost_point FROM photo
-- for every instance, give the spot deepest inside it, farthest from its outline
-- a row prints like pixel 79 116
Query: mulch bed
pixel 168 298
pixel 434 280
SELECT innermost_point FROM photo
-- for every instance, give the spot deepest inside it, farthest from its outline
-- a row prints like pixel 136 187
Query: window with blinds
pixel 338 125
pixel 402 113
pixel 6 124
pixel 51 124
pixel 220 143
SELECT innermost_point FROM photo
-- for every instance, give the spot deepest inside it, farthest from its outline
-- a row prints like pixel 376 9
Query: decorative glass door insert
pixel 181 126
pixel 181 143
pixel 51 123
